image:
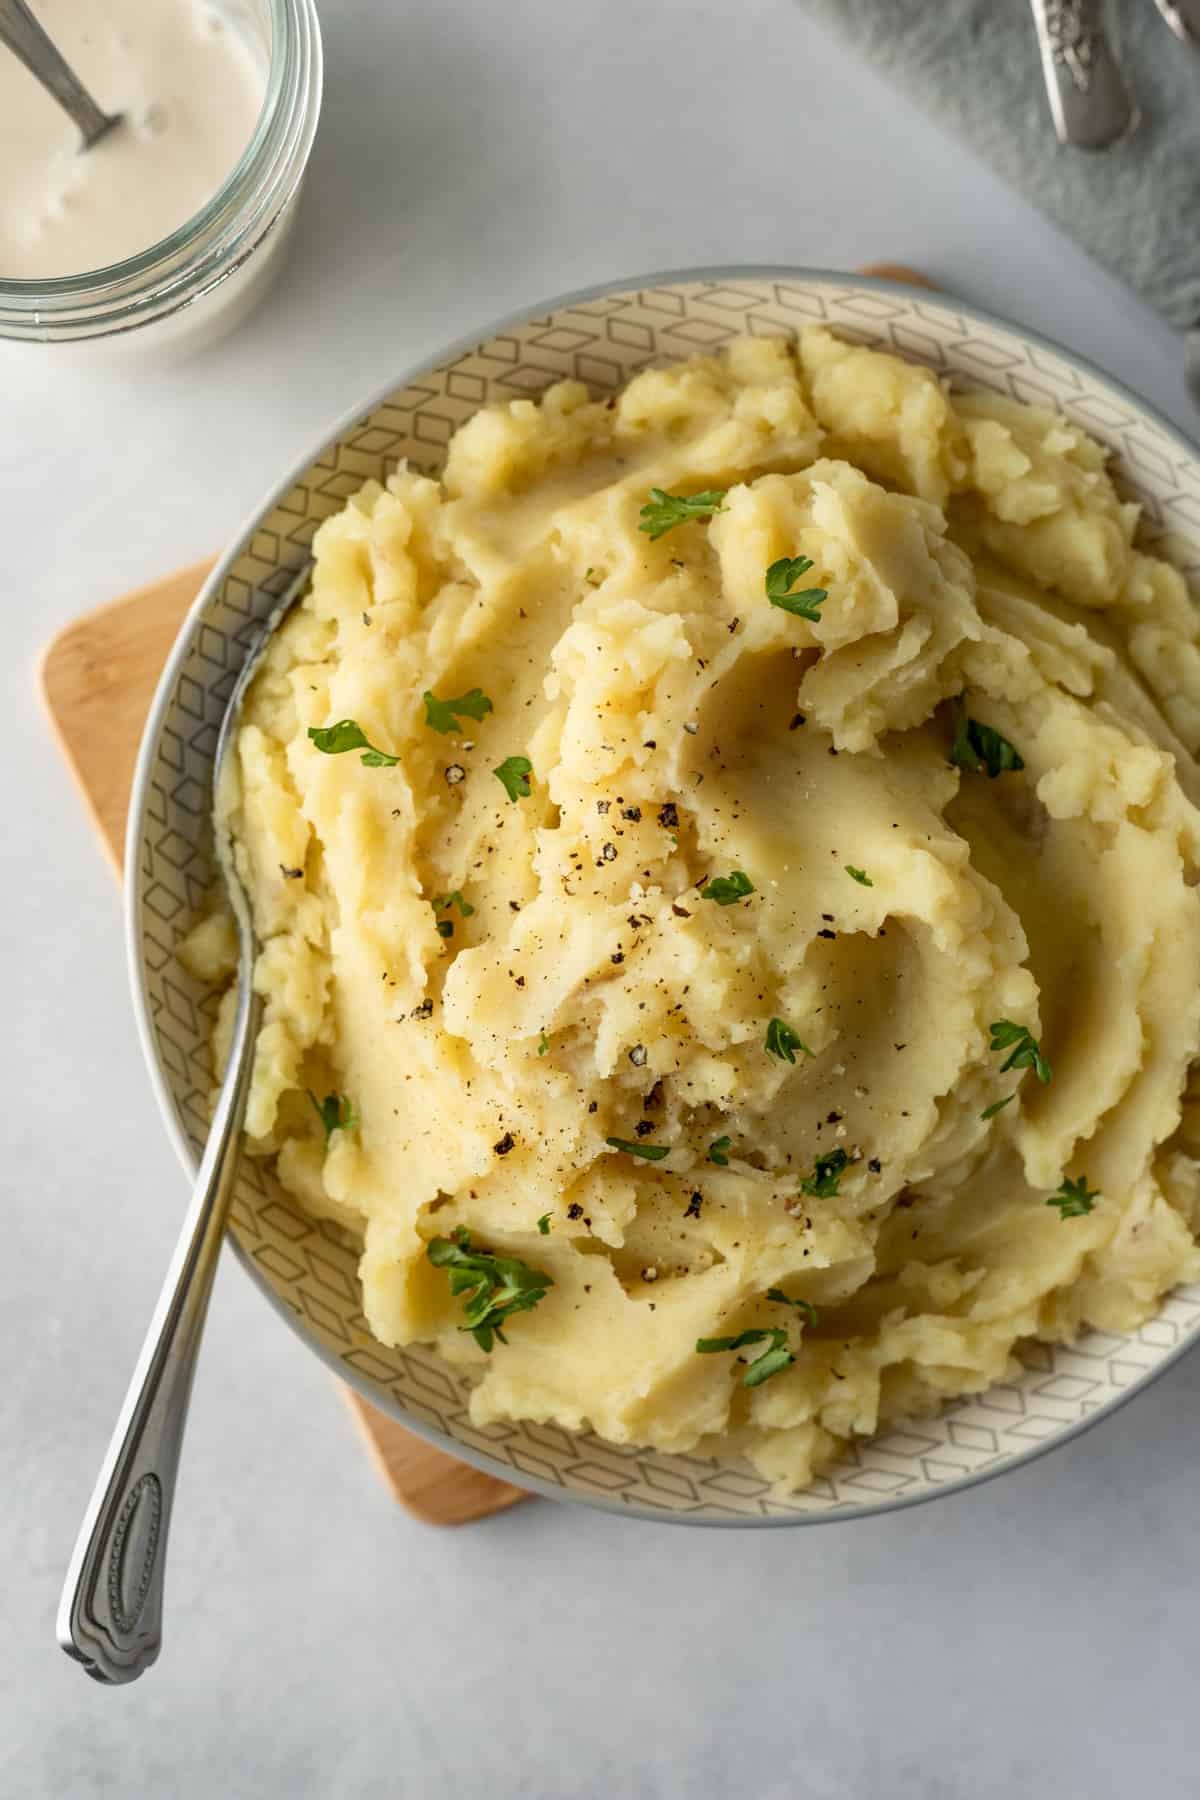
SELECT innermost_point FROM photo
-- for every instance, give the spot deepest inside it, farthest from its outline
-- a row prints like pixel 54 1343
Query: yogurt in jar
pixel 190 85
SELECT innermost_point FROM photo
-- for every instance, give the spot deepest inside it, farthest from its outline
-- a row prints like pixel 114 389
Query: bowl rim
pixel 377 1396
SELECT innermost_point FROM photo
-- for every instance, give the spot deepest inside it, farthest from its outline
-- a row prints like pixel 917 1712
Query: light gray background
pixel 1036 1637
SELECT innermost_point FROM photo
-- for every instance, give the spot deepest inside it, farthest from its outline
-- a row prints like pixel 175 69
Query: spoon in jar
pixel 110 1615
pixel 26 39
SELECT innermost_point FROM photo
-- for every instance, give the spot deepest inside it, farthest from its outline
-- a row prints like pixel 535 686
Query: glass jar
pixel 194 285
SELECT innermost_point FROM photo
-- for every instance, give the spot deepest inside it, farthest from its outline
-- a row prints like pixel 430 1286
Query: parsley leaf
pixel 1026 1051
pixel 648 1152
pixel 769 1362
pixel 977 746
pixel 662 512
pixel 347 735
pixel 442 715
pixel 782 1041
pixel 858 875
pixel 513 776
pixel 727 889
pixel 1074 1198
pixel 447 902
pixel 544 1224
pixel 805 1306
pixel 989 1112
pixel 804 603
pixel 543 1044
pixel 494 1287
pixel 822 1184
pixel 718 1152
pixel 336 1113
pixel 453 899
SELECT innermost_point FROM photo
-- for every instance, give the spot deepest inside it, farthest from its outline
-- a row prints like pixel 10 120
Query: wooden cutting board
pixel 98 677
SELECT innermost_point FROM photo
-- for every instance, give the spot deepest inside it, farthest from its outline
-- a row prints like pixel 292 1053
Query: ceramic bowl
pixel 307 1268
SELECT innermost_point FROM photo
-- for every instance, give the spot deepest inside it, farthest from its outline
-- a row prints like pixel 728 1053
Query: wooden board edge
pixel 46 677
pixel 899 272
pixel 437 1492
pixel 55 665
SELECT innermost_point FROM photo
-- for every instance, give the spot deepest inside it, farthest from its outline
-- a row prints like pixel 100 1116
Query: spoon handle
pixel 1183 16
pixel 110 1616
pixel 1089 98
pixel 26 39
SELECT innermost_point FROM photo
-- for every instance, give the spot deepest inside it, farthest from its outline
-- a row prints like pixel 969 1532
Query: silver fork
pixel 110 1615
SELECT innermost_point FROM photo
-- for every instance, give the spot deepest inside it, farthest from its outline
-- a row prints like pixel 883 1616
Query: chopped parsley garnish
pixel 495 1287
pixel 543 1044
pixel 662 512
pixel 336 1113
pixel 783 1042
pixel 805 1306
pixel 976 746
pixel 804 603
pixel 1026 1051
pixel 348 735
pixel 1074 1198
pixel 443 715
pixel 863 879
pixel 822 1184
pixel 718 1152
pixel 727 889
pixel 769 1362
pixel 989 1112
pixel 648 1152
pixel 446 902
pixel 776 1356
pixel 544 1224
pixel 513 776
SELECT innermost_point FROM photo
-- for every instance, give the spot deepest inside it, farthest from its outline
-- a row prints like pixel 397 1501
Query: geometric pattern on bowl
pixel 308 1267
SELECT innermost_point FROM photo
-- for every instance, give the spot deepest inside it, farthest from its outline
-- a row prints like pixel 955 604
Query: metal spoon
pixel 1089 99
pixel 1183 16
pixel 26 39
pixel 110 1615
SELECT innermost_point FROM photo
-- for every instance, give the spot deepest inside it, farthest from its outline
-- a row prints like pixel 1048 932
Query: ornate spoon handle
pixel 1183 16
pixel 110 1617
pixel 1089 100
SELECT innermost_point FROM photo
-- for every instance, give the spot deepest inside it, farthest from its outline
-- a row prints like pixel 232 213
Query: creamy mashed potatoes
pixel 768 894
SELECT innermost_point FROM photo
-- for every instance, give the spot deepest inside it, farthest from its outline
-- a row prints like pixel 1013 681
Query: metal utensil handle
pixel 110 1617
pixel 26 39
pixel 1183 16
pixel 1089 99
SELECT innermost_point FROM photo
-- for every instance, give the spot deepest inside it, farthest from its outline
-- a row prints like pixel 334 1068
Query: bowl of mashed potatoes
pixel 722 829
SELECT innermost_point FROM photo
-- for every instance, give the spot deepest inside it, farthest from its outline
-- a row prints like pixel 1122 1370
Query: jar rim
pixel 213 241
